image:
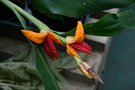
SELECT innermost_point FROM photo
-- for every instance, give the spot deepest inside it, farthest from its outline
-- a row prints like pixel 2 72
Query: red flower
pixel 47 39
pixel 77 42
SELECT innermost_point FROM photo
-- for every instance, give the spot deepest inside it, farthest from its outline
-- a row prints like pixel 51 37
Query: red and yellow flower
pixel 74 43
pixel 77 42
pixel 47 39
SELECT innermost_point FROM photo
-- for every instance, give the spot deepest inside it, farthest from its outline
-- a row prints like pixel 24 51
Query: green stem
pixel 77 59
pixel 34 20
pixel 22 21
pixel 61 38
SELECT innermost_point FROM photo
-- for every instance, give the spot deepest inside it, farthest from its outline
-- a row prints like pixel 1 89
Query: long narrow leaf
pixel 107 26
pixel 127 19
pixel 34 20
pixel 44 70
pixel 22 21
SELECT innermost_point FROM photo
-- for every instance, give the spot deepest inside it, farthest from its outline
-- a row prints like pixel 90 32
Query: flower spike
pixel 77 42
pixel 50 48
pixel 83 47
pixel 47 39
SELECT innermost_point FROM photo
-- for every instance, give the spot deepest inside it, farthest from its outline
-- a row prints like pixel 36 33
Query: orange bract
pixel 79 34
pixel 39 37
pixel 79 37
pixel 71 51
pixel 35 37
pixel 54 37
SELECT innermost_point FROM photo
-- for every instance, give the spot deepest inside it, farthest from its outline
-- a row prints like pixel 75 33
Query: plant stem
pixel 77 59
pixel 22 21
pixel 34 20
pixel 62 39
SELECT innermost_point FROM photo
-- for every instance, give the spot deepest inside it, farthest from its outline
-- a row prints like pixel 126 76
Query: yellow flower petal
pixel 71 51
pixel 35 37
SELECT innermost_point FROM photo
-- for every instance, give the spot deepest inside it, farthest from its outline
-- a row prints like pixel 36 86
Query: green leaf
pixel 28 55
pixel 24 55
pixel 59 76
pixel 77 8
pixel 18 76
pixel 4 86
pixel 127 19
pixel 34 20
pixel 10 71
pixel 55 16
pixel 44 70
pixel 20 18
pixel 106 26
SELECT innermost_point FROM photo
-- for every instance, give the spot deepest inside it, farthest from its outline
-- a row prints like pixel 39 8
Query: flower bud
pixel 88 72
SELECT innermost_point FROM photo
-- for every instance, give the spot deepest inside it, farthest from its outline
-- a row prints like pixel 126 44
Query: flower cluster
pixel 47 39
pixel 72 43
pixel 75 43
